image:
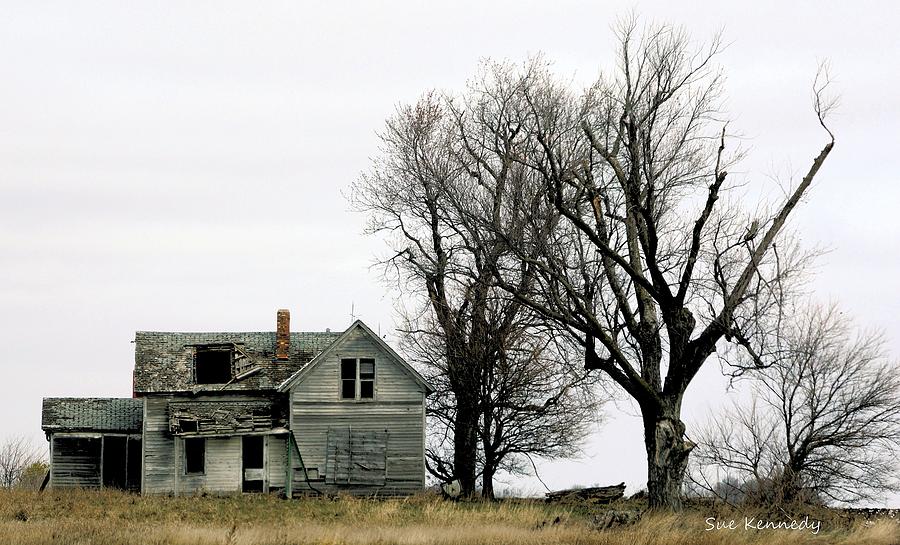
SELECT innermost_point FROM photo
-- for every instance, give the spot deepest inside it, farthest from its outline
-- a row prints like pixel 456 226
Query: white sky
pixel 180 166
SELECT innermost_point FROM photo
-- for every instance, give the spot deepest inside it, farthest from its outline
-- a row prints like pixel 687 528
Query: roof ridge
pixel 234 332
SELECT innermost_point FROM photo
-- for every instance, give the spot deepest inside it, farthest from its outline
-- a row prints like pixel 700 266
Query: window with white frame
pixel 357 378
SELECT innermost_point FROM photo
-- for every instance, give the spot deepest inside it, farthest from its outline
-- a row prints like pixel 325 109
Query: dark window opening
pixel 366 378
pixel 348 378
pixel 187 426
pixel 366 389
pixel 195 456
pixel 212 366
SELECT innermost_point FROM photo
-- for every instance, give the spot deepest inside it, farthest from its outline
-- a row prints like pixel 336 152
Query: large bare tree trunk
pixel 487 487
pixel 465 439
pixel 488 471
pixel 667 457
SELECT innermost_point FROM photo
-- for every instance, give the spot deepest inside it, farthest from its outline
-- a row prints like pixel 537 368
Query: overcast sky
pixel 180 166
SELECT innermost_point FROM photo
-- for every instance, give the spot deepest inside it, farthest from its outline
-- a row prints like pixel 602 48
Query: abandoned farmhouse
pixel 275 411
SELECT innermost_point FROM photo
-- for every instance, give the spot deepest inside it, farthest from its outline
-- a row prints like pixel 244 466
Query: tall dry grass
pixel 107 518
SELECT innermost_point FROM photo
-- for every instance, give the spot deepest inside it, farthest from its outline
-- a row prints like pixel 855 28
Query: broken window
pixel 357 378
pixel 188 426
pixel 212 365
pixel 195 456
pixel 348 378
pixel 366 378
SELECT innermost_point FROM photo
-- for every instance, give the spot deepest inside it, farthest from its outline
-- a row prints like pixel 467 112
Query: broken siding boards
pixel 76 462
pixel 218 416
pixel 159 447
pixel 164 452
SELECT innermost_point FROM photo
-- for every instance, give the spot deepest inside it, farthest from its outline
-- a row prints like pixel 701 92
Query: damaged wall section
pixel 222 417
pixel 94 442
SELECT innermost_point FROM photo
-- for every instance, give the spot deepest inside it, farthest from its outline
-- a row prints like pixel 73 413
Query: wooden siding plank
pixel 277 461
pixel 76 462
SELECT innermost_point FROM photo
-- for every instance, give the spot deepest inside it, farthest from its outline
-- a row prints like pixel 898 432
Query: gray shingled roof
pixel 163 361
pixel 92 414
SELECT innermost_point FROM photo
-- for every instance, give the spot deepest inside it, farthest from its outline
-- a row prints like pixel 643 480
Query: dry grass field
pixel 107 518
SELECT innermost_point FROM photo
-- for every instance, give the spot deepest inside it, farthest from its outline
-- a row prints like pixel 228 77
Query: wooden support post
pixel 179 467
pixel 52 439
pixel 289 477
pixel 102 448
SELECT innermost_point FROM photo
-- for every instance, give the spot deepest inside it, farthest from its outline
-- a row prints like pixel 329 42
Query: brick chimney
pixel 283 334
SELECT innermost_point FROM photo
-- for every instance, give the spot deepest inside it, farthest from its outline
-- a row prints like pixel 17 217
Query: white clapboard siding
pixel 164 454
pixel 159 447
pixel 223 467
pixel 392 382
pixel 277 461
pixel 395 416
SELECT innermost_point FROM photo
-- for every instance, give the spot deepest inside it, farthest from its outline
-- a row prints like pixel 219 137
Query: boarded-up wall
pixel 355 457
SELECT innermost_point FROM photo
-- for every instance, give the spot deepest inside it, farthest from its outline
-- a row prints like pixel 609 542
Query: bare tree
pixel 534 402
pixel 623 228
pixel 606 214
pixel 825 420
pixel 503 389
pixel 16 455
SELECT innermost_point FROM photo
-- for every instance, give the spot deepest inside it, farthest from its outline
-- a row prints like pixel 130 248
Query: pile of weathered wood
pixel 596 494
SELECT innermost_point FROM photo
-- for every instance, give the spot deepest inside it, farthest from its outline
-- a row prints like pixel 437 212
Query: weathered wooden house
pixel 250 412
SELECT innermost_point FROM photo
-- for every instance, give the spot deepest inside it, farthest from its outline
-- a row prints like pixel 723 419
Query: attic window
pixel 212 365
pixel 348 379
pixel 366 378
pixel 357 378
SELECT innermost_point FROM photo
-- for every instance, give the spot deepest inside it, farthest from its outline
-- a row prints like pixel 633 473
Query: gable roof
pixel 306 369
pixel 92 414
pixel 163 361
